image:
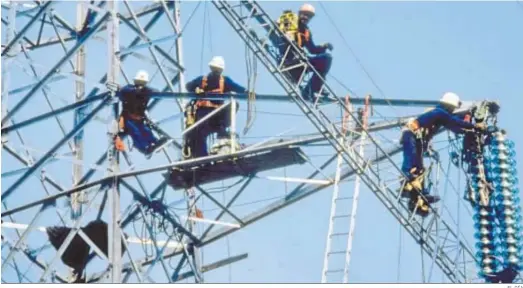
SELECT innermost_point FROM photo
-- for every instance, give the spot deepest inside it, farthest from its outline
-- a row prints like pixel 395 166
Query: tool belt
pixel 414 127
pixel 206 104
pixel 130 116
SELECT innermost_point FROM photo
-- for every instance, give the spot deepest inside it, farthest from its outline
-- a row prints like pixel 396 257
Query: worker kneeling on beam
pixel 415 140
pixel 133 120
pixel 213 83
pixel 296 28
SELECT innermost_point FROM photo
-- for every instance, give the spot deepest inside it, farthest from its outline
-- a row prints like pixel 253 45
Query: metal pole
pixel 5 67
pixel 191 203
pixel 233 124
pixel 179 50
pixel 115 249
pixel 76 199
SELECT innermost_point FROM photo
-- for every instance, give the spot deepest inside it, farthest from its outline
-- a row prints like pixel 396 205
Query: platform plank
pixel 186 177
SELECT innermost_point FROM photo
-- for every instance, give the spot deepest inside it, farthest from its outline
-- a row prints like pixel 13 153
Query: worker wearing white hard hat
pixel 212 84
pixel 319 57
pixel 415 141
pixel 217 64
pixel 141 78
pixel 133 120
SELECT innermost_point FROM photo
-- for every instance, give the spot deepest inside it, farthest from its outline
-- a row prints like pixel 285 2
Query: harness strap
pixel 306 36
pixel 219 90
pixel 221 85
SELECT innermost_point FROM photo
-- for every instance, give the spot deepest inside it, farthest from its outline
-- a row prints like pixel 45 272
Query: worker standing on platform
pixel 415 141
pixel 133 121
pixel 213 83
pixel 321 60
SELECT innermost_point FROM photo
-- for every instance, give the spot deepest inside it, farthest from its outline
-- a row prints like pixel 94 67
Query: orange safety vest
pixel 306 36
pixel 219 90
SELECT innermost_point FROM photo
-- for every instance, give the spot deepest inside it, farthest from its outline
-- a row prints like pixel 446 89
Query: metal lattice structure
pixel 124 191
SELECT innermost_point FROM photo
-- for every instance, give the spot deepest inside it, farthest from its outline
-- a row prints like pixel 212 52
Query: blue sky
pixel 412 50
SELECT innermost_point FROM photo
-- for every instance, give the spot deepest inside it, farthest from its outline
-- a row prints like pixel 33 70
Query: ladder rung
pixel 343 198
pixel 341 216
pixel 334 271
pixel 339 234
pixel 337 252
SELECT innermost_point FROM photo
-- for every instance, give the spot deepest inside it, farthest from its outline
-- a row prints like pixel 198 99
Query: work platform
pixel 250 164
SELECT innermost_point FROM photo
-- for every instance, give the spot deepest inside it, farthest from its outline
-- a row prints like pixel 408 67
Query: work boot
pixel 306 93
pixel 324 97
pixel 417 204
pixel 431 199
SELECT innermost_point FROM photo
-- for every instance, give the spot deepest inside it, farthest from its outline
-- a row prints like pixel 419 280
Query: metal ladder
pixel 341 211
pixel 249 27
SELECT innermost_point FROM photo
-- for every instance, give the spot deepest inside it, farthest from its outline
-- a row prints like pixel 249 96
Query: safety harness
pixel 190 112
pixel 219 90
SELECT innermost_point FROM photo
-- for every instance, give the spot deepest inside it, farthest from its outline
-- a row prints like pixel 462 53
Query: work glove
pixel 118 144
pixel 199 90
pixel 328 46
pixel 481 126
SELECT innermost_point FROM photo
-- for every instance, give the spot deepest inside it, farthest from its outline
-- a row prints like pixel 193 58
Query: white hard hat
pixel 142 75
pixel 308 8
pixel 451 99
pixel 217 62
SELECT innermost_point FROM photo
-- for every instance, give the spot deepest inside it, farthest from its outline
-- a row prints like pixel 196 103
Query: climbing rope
pixel 252 73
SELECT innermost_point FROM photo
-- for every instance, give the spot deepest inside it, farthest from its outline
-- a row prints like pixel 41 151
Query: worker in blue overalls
pixel 320 59
pixel 133 121
pixel 215 83
pixel 415 140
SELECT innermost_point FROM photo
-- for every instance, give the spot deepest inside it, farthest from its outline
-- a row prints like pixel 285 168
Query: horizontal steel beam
pixel 212 266
pixel 55 148
pixel 285 98
pixel 56 112
pixel 57 66
pixel 26 28
pixel 293 197
pixel 193 162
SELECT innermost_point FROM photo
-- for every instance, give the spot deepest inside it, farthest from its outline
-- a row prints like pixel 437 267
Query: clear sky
pixel 411 50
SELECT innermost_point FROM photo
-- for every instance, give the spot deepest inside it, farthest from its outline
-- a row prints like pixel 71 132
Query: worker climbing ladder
pixel 260 33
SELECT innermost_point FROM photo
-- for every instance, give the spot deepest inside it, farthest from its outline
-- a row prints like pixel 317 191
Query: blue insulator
pixel 508 211
pixel 490 228
pixel 514 260
pixel 500 250
pixel 501 184
pixel 507 200
pixel 503 156
pixel 505 177
pixel 479 235
pixel 511 240
pixel 481 255
pixel 483 223
pixel 477 217
pixel 503 199
pixel 485 243
pixel 512 250
pixel 509 143
pixel 498 138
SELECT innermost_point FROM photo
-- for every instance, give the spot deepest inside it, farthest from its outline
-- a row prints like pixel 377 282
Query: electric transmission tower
pixel 120 217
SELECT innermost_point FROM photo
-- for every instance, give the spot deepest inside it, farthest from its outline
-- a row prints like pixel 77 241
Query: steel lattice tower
pixel 59 110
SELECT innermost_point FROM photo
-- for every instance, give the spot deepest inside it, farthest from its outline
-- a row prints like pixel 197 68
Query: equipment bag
pixel 288 24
